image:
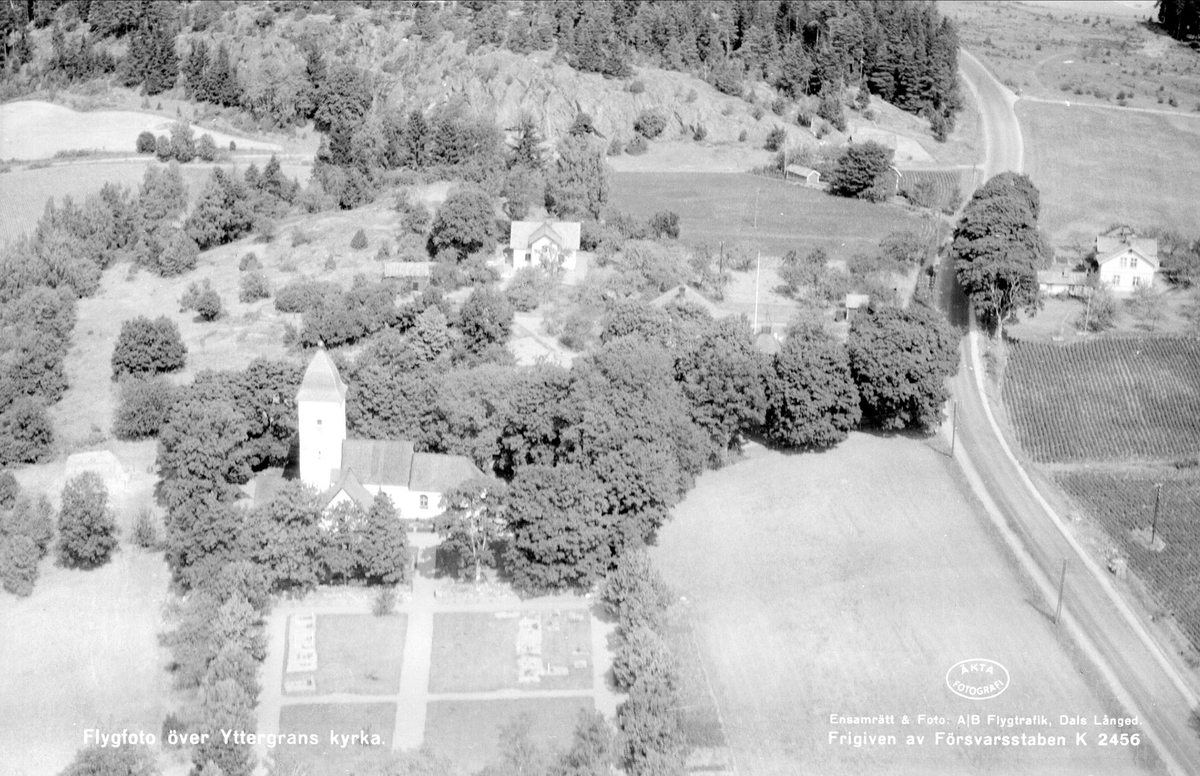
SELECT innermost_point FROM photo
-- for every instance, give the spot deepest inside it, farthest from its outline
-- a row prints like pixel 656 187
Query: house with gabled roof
pixel 357 470
pixel 548 244
pixel 1126 262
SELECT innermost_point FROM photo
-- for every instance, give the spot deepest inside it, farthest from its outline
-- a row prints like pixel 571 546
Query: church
pixel 357 470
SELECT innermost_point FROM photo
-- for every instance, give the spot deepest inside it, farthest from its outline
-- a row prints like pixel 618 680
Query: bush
pixel 530 287
pixel 615 148
pixel 300 237
pixel 145 530
pixel 178 256
pixel 650 124
pixel 775 139
pixel 665 224
pixel 416 219
pixel 385 602
pixel 202 298
pixel 742 136
pixel 144 407
pixel 249 261
pixel 692 95
pixel 359 241
pixel 146 143
pixel 330 262
pixel 146 348
pixel 206 148
pixel 25 431
pixel 9 490
pixel 636 86
pixel 163 149
pixel 779 105
pixel 253 287
pixel 700 133
pixel 302 295
pixel 637 146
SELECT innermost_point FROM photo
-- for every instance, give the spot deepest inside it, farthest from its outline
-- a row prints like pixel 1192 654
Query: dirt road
pixel 1108 632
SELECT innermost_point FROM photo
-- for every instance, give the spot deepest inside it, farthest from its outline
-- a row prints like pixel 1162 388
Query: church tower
pixel 321 403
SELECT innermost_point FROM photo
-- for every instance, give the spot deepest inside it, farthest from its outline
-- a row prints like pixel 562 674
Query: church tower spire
pixel 321 405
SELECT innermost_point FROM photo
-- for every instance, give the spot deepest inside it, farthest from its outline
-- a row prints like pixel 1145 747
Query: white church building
pixel 357 470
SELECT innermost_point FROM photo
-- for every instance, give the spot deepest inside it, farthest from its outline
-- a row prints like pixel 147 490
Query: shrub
pixel 385 602
pixel 300 237
pixel 742 136
pixel 302 295
pixel 330 262
pixel 665 224
pixel 416 219
pixel 636 86
pixel 253 286
pixel 146 143
pixel 700 133
pixel 183 147
pixel 178 256
pixel 692 95
pixel 232 146
pixel 637 146
pixel 615 148
pixel 248 261
pixel 779 105
pixel 359 240
pixel 9 490
pixel 384 253
pixel 145 530
pixel 144 407
pixel 163 149
pixel 202 298
pixel 775 139
pixel 147 347
pixel 206 148
pixel 757 112
pixel 530 287
pixel 650 124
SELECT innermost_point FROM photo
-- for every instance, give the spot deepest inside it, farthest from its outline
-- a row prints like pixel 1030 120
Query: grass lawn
pixel 1097 167
pixel 81 652
pixel 849 582
pixel 715 207
pixel 477 652
pixel 469 732
pixel 359 653
pixel 327 757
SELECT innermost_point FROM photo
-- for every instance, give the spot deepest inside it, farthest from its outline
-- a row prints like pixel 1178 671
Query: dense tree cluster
pixel 860 171
pixel 26 530
pixel 998 249
pixel 148 347
pixel 1180 18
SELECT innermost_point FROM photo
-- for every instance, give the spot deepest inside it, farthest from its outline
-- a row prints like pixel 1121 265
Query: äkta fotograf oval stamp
pixel 977 679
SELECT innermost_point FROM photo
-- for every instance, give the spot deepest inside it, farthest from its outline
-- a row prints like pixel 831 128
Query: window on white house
pixel 1116 280
pixel 424 502
pixel 1137 280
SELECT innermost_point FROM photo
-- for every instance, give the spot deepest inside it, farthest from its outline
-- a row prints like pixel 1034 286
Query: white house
pixel 1061 280
pixel 1126 262
pixel 549 244
pixel 358 469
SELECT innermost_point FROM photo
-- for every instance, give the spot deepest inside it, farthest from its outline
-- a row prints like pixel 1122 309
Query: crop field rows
pixel 1105 400
pixel 1124 504
pixel 950 187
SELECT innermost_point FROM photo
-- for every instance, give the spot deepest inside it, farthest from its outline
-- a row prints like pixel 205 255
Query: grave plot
pixel 344 653
pixel 469 732
pixel 531 650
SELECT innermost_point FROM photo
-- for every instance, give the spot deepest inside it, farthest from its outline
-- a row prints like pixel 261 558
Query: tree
pixel 144 407
pixel 253 286
pixel 145 348
pixel 146 142
pixel 635 592
pixel 486 319
pixel 225 706
pixel 997 248
pixel 87 532
pixel 592 747
pixel 472 520
pixel 559 539
pixel 465 222
pixel 527 144
pixel 579 184
pixel 642 655
pixel 859 171
pixel 900 360
pixel 202 298
pixel 521 188
pixel 665 223
pixel 26 433
pixel 9 490
pixel 1146 304
pixel 19 558
pixel 385 555
pixel 206 148
pixel 177 256
pixel 183 143
pixel 223 212
pixel 654 741
pixel 125 760
pixel 812 401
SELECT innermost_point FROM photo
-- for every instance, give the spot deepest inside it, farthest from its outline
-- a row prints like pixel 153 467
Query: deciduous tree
pixel 87 532
pixel 859 171
pixel 472 520
pixel 146 348
pixel 465 222
pixel 811 397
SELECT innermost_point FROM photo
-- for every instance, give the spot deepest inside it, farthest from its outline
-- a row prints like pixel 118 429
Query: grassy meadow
pixel 468 732
pixel 345 667
pixel 1098 167
pixel 813 595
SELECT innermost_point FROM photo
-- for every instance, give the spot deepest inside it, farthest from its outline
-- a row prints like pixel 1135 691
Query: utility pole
pixel 953 427
pixel 1062 584
pixel 1154 524
pixel 758 264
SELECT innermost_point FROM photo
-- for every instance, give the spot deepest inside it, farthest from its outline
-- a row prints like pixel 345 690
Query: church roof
pixel 378 461
pixel 439 473
pixel 349 484
pixel 321 380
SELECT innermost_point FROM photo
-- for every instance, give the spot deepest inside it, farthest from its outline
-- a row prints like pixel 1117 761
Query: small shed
pixel 411 276
pixel 798 173
pixel 1061 280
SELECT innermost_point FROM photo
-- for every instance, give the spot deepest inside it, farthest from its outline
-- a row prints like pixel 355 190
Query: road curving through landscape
pixel 1107 631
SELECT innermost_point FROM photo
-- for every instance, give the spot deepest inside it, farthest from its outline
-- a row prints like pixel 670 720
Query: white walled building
pixel 1126 262
pixel 358 469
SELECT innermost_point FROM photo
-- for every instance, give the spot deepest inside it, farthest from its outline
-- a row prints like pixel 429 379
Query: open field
pixel 33 129
pixel 1061 318
pixel 23 193
pixel 476 652
pixel 814 596
pixel 1080 51
pixel 81 652
pixel 346 667
pixel 1098 167
pixel 1107 399
pixel 468 732
pixel 1124 504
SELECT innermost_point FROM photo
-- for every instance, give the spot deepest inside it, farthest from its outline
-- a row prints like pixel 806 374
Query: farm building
pixel 550 244
pixel 851 305
pixel 358 469
pixel 1126 261
pixel 687 295
pixel 411 276
pixel 798 173
pixel 103 463
pixel 1061 280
